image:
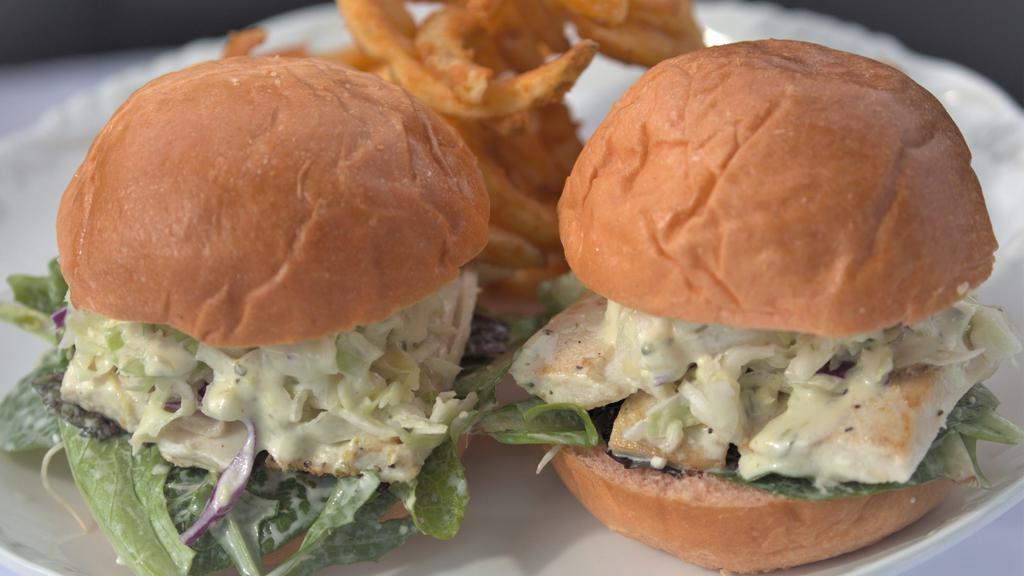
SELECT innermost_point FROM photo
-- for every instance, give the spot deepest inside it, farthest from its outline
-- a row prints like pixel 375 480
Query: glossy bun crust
pixel 254 201
pixel 778 185
pixel 721 525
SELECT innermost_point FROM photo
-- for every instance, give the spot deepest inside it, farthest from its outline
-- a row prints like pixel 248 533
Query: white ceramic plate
pixel 519 523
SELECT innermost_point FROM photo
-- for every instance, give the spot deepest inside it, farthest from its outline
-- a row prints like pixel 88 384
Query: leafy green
pixel 35 299
pixel 297 499
pixel 44 294
pixel 186 491
pixel 300 496
pixel 991 427
pixel 32 292
pixel 25 423
pixel 58 287
pixel 126 497
pixel 975 416
pixel 142 504
pixel 349 495
pixel 952 454
pixel 276 507
pixel 438 497
pixel 29 320
pixel 238 534
pixel 804 489
pixel 971 447
pixel 535 422
pixel 484 381
pixel 365 539
pixel 349 530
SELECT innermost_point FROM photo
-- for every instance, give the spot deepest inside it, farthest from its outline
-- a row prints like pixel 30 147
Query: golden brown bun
pixel 721 525
pixel 778 185
pixel 254 201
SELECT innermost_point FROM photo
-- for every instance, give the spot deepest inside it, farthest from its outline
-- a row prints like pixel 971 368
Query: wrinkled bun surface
pixel 721 525
pixel 253 201
pixel 778 185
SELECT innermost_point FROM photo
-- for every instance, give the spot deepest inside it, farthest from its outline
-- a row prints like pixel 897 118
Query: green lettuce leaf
pixel 44 294
pixel 126 497
pixel 438 497
pixel 535 422
pixel 29 320
pixel 991 427
pixel 301 498
pixel 238 534
pixel 186 491
pixel 25 423
pixel 975 416
pixel 484 381
pixel 365 539
pixel 35 299
pixel 803 489
pixel 296 497
pixel 349 530
pixel 350 494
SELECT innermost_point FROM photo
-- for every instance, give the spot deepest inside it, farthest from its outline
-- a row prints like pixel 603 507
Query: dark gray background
pixel 987 35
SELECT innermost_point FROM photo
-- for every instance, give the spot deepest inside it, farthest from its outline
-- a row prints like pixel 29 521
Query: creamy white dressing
pixel 376 398
pixel 814 409
pixel 858 429
pixel 794 404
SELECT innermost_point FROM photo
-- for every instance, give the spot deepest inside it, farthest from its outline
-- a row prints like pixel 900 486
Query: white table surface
pixel 26 91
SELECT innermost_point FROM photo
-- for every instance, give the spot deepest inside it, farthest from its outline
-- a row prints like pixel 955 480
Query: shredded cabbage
pixel 776 393
pixel 374 398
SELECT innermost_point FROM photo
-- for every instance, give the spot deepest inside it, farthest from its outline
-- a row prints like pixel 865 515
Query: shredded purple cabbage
pixel 228 489
pixel 174 404
pixel 839 371
pixel 59 316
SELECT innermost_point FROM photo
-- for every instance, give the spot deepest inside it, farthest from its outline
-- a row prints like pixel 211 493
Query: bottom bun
pixel 721 525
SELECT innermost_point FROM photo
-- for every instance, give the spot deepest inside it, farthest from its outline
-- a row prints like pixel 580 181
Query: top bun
pixel 778 185
pixel 255 201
